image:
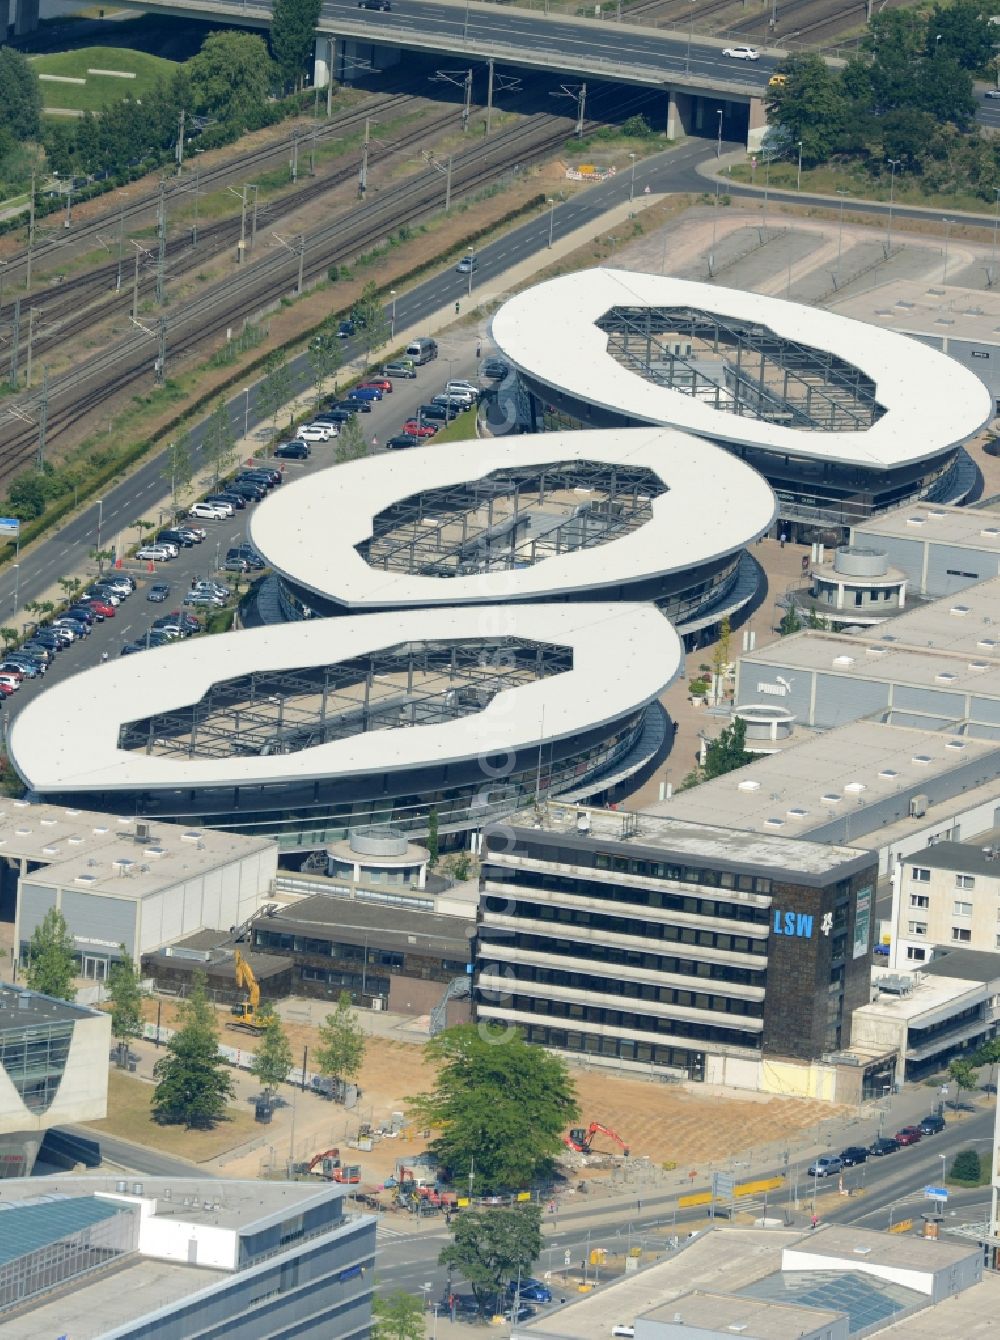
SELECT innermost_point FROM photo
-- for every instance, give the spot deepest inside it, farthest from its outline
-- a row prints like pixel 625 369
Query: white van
pixel 422 350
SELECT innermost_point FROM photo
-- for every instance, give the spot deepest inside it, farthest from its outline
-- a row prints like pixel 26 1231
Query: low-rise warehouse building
pixel 942 550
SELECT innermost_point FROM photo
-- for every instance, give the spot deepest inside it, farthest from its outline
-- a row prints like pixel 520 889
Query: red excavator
pixel 582 1140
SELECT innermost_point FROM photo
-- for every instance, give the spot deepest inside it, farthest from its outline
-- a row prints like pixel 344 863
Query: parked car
pixel 336 416
pixel 233 499
pixel 317 432
pixel 383 384
pixel 119 582
pixel 249 553
pixel 103 593
pixel 158 592
pixel 102 607
pixel 463 384
pixel 885 1144
pixel 345 330
pixel 365 394
pixel 76 626
pixel 39 651
pixel 992 94
pixel 82 612
pixel 175 537
pixel 154 553
pixel 265 472
pixel 853 1155
pixel 909 1135
pixel 415 429
pixel 129 648
pixel 208 511
pixel 741 53
pixel 404 369
pixel 933 1124
pixel 26 668
pixel 293 451
pixel 495 368
pixel 203 598
pixel 236 565
pixel 827 1165
pixel 403 440
pixel 531 1289
pixel 355 406
pixel 436 410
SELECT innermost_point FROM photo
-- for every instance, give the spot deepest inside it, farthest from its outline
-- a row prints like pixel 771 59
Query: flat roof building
pixel 303 732
pixel 944 897
pixel 843 419
pixel 655 944
pixel 247 1260
pixel 942 550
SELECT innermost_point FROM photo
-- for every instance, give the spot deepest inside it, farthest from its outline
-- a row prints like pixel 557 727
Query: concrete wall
pixel 83 1090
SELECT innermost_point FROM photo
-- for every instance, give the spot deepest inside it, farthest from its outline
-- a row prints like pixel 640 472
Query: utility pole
pixel 447 187
pixel 253 217
pixel 467 107
pixel 161 357
pixel 312 151
pixel 295 155
pixel 31 234
pixel 331 49
pixel 581 109
pixel 363 177
pixel 31 335
pixel 43 415
pixel 161 255
pixel 121 246
pixel 243 227
pixel 302 261
pixel 489 98
pixel 179 152
pixel 194 229
pixel 15 343
pixel 135 285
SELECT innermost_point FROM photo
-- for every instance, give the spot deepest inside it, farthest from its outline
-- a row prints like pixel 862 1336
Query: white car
pixel 469 388
pixel 155 553
pixel 741 53
pixel 317 432
pixel 209 511
pixel 12 681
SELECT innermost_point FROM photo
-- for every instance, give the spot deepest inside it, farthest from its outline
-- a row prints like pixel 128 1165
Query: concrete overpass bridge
pixel 696 80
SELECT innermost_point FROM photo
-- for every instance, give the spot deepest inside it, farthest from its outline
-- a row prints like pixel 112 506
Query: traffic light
pixel 458 308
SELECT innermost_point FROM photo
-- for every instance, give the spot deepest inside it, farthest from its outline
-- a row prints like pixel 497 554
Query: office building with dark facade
pixel 649 943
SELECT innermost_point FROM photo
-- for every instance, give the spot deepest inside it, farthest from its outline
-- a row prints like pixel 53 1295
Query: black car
pixel 250 491
pixel 249 555
pixel 345 330
pixel 84 613
pixel 495 368
pixel 355 406
pixel 234 500
pixel 261 472
pixel 374 4
pixel 885 1144
pixel 443 413
pixel 130 647
pixel 403 440
pixel 293 451
pixel 175 537
pixel 933 1124
pixel 853 1155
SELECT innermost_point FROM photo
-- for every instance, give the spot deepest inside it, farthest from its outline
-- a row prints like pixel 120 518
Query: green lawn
pixel 461 429
pixel 98 89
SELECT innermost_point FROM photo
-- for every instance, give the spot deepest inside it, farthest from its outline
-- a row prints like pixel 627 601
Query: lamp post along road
pixel 893 164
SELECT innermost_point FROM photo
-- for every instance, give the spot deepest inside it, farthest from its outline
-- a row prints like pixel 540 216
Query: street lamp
pixel 631 184
pixel 842 192
pixel 246 411
pixel 392 319
pixel 718 142
pixel 17 584
pixel 893 164
pixel 552 218
pixel 996 221
pixel 947 243
pixel 798 180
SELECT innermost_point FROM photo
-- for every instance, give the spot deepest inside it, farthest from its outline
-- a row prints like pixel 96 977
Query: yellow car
pixel 777 81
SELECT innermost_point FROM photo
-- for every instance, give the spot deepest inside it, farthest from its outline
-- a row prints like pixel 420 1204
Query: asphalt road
pixel 140 1160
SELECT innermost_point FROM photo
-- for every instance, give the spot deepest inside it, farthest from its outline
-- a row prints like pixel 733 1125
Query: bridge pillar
pixel 323 60
pixel 679 107
pixel 25 17
pixel 757 123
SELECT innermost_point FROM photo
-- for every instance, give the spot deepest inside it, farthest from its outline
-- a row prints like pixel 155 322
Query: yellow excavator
pixel 248 1011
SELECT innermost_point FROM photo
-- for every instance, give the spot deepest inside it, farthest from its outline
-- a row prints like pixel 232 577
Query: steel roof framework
pixel 763 375
pixel 493 523
pixel 284 711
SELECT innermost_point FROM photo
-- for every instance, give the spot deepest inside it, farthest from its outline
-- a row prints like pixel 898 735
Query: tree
pixel 293 37
pixel 965 1072
pixel 51 961
pixel 220 440
pixel 324 358
pixel 275 388
pixel 398 1316
pixel 177 467
pixel 961 31
pixel 810 107
pixel 341 1050
pixel 20 94
pixel 966 1167
pixel 351 444
pixel 728 751
pixel 370 319
pixel 193 1084
pixel 500 1105
pixel 273 1058
pixel 491 1247
pixel 125 992
pixel 790 622
pixel 231 77
pixel 26 497
pixel 433 845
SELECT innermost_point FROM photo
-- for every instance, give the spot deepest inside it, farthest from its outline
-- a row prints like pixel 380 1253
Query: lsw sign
pixel 800 924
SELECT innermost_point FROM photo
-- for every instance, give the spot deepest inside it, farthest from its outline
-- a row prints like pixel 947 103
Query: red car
pixel 6 688
pixel 101 607
pixel 382 384
pixel 909 1135
pixel 419 429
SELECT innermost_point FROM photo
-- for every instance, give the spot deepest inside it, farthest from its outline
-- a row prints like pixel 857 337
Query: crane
pixel 581 1140
pixel 247 1011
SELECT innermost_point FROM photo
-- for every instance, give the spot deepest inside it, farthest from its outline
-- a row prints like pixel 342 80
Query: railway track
pixel 801 18
pixel 72 396
pixel 73 307
pixel 97 230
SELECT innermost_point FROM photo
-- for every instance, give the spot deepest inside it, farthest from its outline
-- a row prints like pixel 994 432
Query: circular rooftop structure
pixel 306 732
pixel 843 418
pixel 625 514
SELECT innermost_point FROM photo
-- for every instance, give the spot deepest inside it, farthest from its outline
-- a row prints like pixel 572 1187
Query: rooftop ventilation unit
pixel 142 832
pixel 918 807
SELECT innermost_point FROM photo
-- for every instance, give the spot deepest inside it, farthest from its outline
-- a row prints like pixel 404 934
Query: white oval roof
pixel 931 401
pixel 67 739
pixel 713 506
